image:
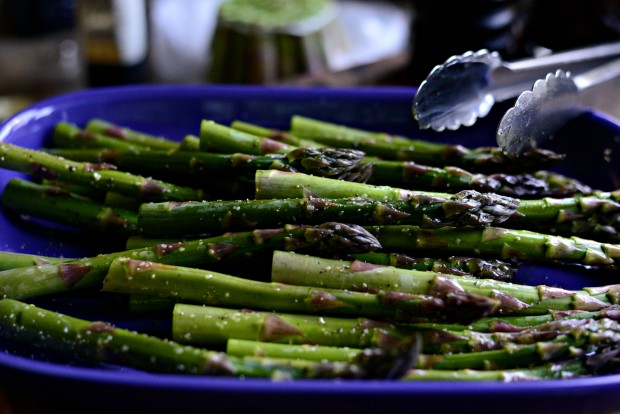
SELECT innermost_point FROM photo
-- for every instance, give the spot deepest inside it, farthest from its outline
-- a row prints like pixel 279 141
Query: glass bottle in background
pixel 114 41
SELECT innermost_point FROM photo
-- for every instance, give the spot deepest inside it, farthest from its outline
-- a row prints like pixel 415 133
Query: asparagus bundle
pixel 409 174
pixel 385 316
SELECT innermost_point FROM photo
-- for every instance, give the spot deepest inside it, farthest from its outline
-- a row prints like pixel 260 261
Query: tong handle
pixel 563 60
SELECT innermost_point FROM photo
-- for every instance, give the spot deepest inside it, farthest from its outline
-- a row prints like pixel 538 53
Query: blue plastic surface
pixel 175 111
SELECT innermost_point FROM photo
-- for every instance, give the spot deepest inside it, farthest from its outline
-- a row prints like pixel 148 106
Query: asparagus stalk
pixel 556 370
pixel 521 322
pixel 100 176
pixel 59 206
pixel 123 133
pixel 454 265
pixel 13 260
pixel 408 174
pixel 89 272
pixel 100 342
pixel 544 213
pixel 69 135
pixel 553 370
pixel 275 134
pixel 193 165
pixel 213 288
pixel 587 338
pixel 221 138
pixel 304 270
pixel 242 348
pixel 499 243
pixel 213 326
pixel 393 147
pixel 190 142
pixel 464 208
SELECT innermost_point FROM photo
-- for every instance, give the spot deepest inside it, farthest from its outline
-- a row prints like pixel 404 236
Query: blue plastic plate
pixel 175 111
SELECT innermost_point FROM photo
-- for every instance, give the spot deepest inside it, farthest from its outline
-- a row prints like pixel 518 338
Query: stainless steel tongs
pixel 464 88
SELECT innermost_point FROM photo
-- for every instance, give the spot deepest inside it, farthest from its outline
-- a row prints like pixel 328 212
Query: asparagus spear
pixel 57 205
pixel 277 135
pixel 408 174
pixel 393 147
pixel 193 165
pixel 221 138
pixel 203 325
pixel 454 265
pixel 13 260
pixel 518 323
pixel 101 176
pixel 69 135
pixel 544 213
pixel 123 133
pixel 555 370
pixel 244 347
pixel 212 288
pixel 464 208
pixel 498 242
pixel 100 342
pixel 304 270
pixel 89 272
pixel 587 338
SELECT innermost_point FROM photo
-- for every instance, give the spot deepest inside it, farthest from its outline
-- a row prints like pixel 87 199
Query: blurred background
pixel 48 47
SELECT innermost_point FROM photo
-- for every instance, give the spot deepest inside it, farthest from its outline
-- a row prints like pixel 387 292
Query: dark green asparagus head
pixel 340 163
pixel 334 238
pixel 470 207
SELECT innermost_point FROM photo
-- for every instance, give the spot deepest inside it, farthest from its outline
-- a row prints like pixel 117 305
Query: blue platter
pixel 174 111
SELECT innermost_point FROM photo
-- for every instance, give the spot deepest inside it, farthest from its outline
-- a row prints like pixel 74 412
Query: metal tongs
pixel 552 102
pixel 464 88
